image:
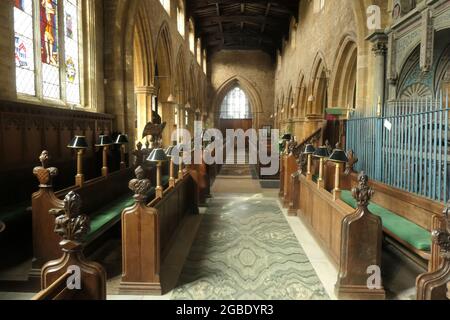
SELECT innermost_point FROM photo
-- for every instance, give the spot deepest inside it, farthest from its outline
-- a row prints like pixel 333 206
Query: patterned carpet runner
pixel 245 250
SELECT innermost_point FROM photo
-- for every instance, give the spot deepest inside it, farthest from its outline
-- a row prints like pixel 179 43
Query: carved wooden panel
pixel 27 129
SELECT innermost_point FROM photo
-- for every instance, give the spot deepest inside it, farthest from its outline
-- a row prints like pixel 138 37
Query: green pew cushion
pixel 109 213
pixel 113 210
pixel 406 230
pixel 315 178
pixel 12 212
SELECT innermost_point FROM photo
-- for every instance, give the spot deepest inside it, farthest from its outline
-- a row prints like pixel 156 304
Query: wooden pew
pixel 421 213
pixel 301 160
pixel 351 238
pixel 72 277
pixel 147 231
pixel 435 285
pixel 103 197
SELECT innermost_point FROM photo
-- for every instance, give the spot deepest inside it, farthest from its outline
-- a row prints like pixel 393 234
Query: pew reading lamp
pixel 170 152
pixel 104 142
pixel 158 156
pixel 338 157
pixel 122 140
pixel 79 143
pixel 309 151
pixel 321 154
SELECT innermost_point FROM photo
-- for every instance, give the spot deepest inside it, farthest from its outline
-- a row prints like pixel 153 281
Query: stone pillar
pixel 379 48
pixel 144 98
pixel 168 117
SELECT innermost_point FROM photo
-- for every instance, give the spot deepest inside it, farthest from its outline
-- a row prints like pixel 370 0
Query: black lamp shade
pixel 338 156
pixel 321 152
pixel 157 155
pixel 78 142
pixel 287 137
pixel 122 139
pixel 309 149
pixel 104 140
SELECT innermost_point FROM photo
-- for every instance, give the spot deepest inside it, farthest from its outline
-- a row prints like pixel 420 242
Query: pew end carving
pixel 140 242
pixel 72 277
pixel 361 248
pixel 42 222
pixel 434 285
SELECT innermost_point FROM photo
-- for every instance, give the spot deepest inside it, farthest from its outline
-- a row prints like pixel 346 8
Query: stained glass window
pixel 50 49
pixel 56 76
pixel 72 51
pixel 24 47
pixel 235 105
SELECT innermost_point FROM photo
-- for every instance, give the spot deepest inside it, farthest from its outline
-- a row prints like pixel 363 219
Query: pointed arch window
pixel 235 105
pixel 47 58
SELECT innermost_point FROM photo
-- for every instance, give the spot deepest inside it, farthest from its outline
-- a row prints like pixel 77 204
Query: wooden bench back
pixel 148 231
pixel 410 206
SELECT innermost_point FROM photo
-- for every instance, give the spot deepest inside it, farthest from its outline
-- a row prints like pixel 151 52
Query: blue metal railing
pixel 407 147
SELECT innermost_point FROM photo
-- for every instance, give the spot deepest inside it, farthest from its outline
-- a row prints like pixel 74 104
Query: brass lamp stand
pixel 170 152
pixel 321 154
pixel 309 151
pixel 122 140
pixel 104 142
pixel 339 158
pixel 79 144
pixel 158 156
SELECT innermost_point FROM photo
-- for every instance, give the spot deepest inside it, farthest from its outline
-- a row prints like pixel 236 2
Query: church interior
pixel 102 196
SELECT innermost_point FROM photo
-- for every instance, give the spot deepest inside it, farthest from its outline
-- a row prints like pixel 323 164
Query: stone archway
pixel 143 67
pixel 250 91
pixel 164 81
pixel 343 79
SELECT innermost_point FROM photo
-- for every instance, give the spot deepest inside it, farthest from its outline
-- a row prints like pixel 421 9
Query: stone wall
pixel 253 71
pixel 319 50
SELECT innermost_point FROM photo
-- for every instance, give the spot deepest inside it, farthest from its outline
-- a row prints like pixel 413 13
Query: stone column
pixel 168 117
pixel 144 98
pixel 379 48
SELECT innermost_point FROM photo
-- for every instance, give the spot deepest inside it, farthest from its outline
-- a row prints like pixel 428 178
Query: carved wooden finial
pixel 352 160
pixel 442 237
pixel 363 192
pixel 140 186
pixel 69 223
pixel 43 174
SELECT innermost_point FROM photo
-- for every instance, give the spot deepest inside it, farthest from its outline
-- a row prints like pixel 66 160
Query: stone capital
pixel 149 90
pixel 379 40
